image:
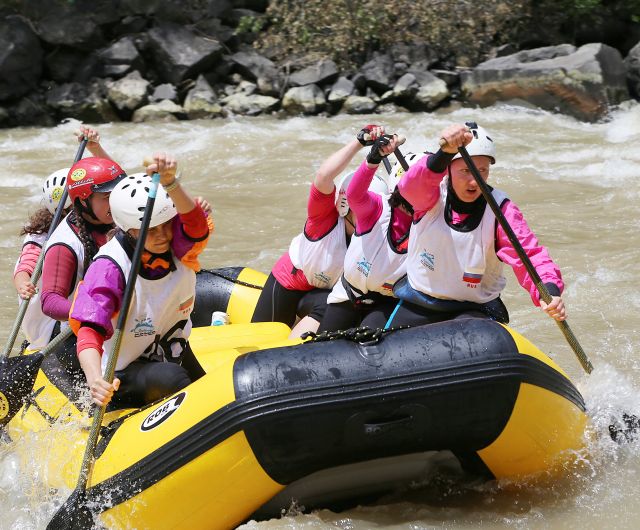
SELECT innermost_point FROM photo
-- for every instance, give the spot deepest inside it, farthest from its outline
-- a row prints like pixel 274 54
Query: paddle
pixel 626 429
pixel 74 513
pixel 403 162
pixel 542 289
pixel 24 304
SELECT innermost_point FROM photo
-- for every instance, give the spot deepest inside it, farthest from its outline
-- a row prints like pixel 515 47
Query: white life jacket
pixel 372 262
pixel 452 264
pixel 321 260
pixel 36 326
pixel 64 234
pixel 158 323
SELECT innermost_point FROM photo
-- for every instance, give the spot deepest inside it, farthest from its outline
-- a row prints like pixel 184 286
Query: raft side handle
pixel 384 426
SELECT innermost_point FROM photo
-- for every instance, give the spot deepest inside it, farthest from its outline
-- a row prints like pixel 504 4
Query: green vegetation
pixel 460 32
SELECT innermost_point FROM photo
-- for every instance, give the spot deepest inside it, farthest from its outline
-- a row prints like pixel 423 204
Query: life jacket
pixel 158 322
pixel 321 260
pixel 452 263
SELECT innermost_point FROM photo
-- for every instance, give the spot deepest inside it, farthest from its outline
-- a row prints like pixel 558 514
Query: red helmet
pixel 93 174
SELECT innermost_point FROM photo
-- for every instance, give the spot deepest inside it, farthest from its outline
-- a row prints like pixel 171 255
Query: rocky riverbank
pixel 144 60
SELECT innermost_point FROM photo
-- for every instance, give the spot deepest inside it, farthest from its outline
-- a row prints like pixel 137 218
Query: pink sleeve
pixel 421 187
pixel 539 256
pixel 28 258
pixel 321 213
pixel 99 296
pixel 58 278
pixel 365 204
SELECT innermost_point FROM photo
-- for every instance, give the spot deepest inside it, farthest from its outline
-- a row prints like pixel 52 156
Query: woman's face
pixel 158 238
pixel 462 180
pixel 99 202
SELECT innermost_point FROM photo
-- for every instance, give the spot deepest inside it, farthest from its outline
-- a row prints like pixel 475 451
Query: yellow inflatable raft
pixel 320 421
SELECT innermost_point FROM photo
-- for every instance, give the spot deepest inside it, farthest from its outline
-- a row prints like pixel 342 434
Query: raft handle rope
pixel 363 335
pixel 232 280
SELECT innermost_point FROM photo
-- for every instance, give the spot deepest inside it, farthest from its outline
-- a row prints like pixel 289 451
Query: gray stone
pixel 129 93
pixel 164 111
pixel 20 58
pixel 307 99
pixel 201 101
pixel 255 67
pixel 252 105
pixel 632 62
pixel 321 73
pixel 120 58
pixel 379 72
pixel 582 82
pixel 359 105
pixel 164 91
pixel 180 54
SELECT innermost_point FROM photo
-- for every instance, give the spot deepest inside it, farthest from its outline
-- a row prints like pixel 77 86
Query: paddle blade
pixel 17 375
pixel 73 514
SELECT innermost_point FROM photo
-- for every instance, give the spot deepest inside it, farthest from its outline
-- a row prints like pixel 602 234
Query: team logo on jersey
pixel 163 412
pixel 364 267
pixel 143 328
pixel 428 260
pixel 78 174
pixel 322 277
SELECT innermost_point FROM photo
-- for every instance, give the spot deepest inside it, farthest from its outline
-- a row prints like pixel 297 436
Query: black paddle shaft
pixel 542 289
pixel 35 275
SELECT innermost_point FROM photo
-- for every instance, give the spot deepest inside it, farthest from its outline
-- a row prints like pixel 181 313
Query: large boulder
pixel 379 72
pixel 308 99
pixel 323 72
pixel 164 111
pixel 70 28
pixel 180 54
pixel 249 104
pixel 255 67
pixel 20 58
pixel 120 58
pixel 632 62
pixel 129 93
pixel 83 102
pixel 201 101
pixel 582 82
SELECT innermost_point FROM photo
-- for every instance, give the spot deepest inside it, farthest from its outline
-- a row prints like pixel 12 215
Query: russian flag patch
pixel 471 277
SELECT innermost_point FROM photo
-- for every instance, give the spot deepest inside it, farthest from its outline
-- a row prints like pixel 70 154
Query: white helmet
pixel 341 194
pixel 481 145
pixel 397 170
pixel 53 188
pixel 129 198
pixel 379 185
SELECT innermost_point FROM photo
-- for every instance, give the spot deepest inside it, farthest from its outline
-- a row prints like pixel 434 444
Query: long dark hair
pixel 396 200
pixel 40 222
pixel 84 233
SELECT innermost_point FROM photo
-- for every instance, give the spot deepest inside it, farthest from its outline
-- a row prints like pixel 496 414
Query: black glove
pixel 375 157
pixel 364 132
